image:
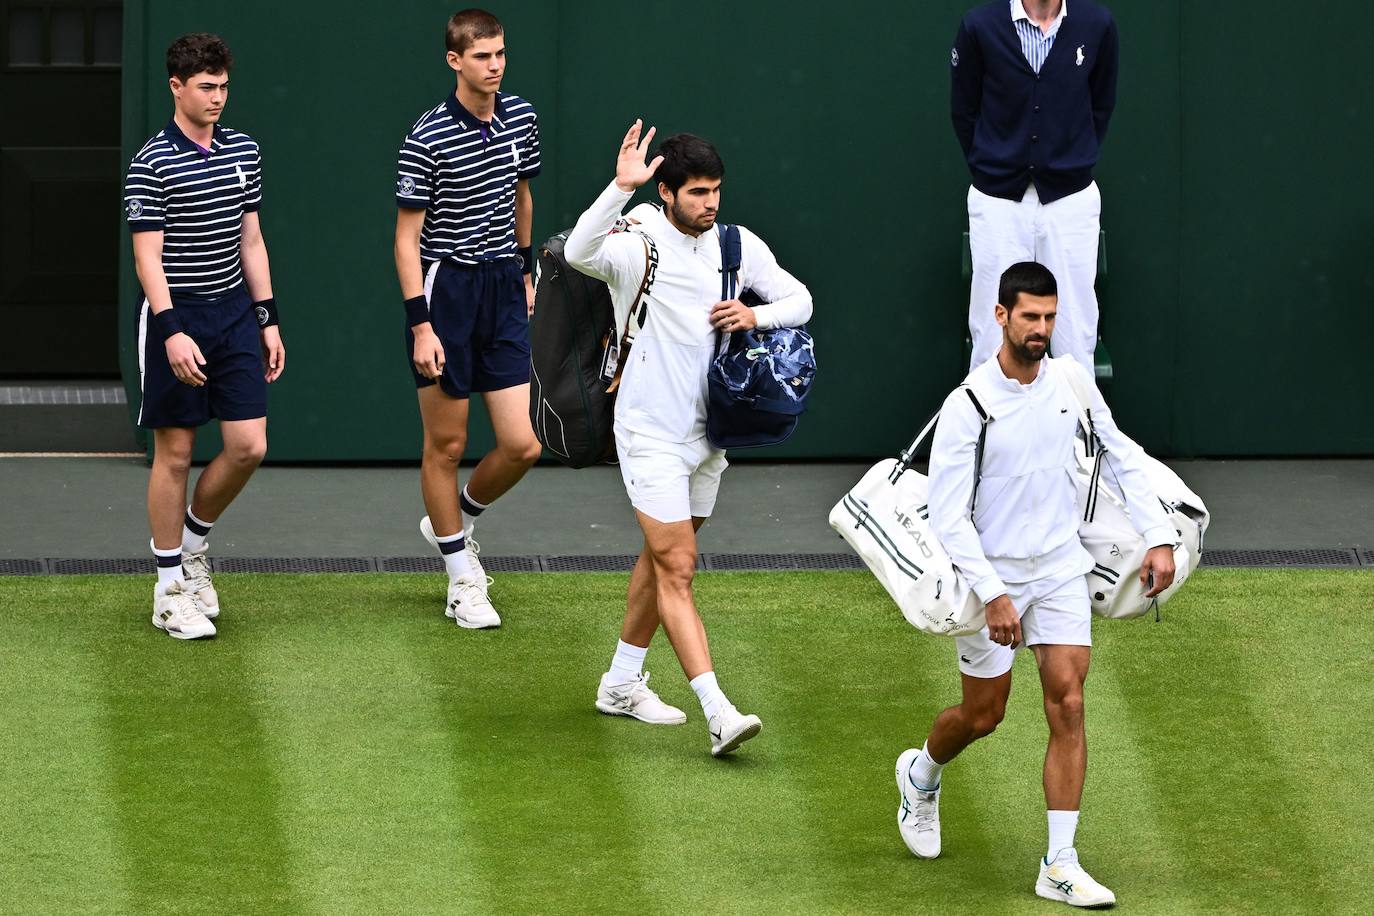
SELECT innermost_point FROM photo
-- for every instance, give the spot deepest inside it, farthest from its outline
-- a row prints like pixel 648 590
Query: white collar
pixel 1006 383
pixel 673 235
pixel 1018 11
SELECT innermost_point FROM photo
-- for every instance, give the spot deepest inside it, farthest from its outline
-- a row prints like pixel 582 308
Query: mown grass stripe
pixel 549 826
pixel 59 852
pixel 843 723
pixel 1220 757
pixel 361 752
pixel 733 831
pixel 1127 838
pixel 195 790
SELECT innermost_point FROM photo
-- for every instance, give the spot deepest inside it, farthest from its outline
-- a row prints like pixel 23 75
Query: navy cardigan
pixel 1017 126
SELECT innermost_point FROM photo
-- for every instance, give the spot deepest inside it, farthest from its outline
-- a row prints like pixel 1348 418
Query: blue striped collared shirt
pixel 196 199
pixel 463 173
pixel 1035 44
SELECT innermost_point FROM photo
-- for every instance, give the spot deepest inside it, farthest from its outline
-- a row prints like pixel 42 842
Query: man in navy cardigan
pixel 1032 89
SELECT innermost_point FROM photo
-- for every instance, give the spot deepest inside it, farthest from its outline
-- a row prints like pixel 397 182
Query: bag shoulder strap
pixel 1091 443
pixel 639 309
pixel 979 446
pixel 908 455
pixel 1079 386
pixel 731 254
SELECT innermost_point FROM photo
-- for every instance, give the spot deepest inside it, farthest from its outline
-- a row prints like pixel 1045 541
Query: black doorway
pixel 60 174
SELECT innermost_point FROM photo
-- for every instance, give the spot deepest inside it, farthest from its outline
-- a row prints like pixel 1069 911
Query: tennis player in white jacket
pixel 1015 541
pixel 670 469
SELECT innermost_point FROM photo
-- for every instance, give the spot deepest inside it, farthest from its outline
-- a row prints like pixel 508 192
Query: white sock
pixel 709 693
pixel 627 662
pixel 925 772
pixel 168 568
pixel 1063 824
pixel 455 557
pixel 470 508
pixel 194 531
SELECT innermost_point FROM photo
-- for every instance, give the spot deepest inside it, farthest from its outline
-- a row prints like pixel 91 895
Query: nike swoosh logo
pixel 965 659
pixel 715 735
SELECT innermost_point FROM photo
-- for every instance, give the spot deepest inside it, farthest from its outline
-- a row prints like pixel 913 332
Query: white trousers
pixel 1062 236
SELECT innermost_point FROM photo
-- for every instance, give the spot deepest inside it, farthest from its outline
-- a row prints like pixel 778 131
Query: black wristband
pixel 266 310
pixel 167 322
pixel 526 259
pixel 417 310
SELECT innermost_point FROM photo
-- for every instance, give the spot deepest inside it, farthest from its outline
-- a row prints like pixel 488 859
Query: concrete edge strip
pixel 1309 558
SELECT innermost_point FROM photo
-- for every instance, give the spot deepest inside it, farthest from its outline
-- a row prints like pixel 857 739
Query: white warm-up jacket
pixel 663 390
pixel 1024 526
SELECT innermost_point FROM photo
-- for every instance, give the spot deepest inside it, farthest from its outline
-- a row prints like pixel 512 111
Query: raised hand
pixel 630 170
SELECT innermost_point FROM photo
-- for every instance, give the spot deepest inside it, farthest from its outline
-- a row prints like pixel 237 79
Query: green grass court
pixel 342 748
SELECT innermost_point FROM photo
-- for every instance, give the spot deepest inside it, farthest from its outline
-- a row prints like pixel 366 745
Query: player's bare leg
pixel 245 445
pixel 624 689
pixel 167 484
pixel 445 422
pixel 641 604
pixel 980 711
pixel 517 448
pixel 1063 671
pixel 672 548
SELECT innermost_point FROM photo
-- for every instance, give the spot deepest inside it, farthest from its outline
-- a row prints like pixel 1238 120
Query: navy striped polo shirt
pixel 197 200
pixel 463 172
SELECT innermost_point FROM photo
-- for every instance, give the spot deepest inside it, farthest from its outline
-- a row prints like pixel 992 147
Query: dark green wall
pixel 1236 199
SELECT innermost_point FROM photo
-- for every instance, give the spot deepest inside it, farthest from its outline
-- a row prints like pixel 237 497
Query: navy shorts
pixel 481 317
pixel 226 330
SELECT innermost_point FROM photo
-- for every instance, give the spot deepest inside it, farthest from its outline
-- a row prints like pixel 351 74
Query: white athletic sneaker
pixel 483 580
pixel 198 584
pixel 636 700
pixel 918 817
pixel 175 613
pixel 1065 880
pixel 468 605
pixel 729 729
pixel 473 549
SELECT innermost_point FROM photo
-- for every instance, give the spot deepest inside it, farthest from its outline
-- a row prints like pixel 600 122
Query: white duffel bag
pixel 1107 533
pixel 885 519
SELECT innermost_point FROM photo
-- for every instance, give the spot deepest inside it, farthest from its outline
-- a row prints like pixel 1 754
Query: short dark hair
pixel 687 156
pixel 1028 277
pixel 198 52
pixel 468 26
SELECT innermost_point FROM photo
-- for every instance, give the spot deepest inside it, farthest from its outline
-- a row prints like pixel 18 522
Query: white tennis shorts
pixel 669 481
pixel 1054 612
